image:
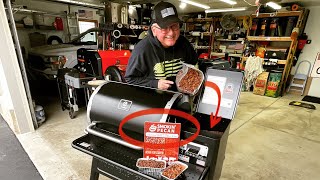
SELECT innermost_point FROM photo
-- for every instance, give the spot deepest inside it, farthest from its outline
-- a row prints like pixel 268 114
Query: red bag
pixel 58 24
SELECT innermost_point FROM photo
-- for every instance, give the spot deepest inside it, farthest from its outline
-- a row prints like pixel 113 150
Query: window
pixel 85 25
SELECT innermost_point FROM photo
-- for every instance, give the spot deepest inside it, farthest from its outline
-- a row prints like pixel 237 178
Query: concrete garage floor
pixel 268 140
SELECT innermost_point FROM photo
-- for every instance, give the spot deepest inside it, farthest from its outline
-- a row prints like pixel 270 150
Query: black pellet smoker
pixel 113 101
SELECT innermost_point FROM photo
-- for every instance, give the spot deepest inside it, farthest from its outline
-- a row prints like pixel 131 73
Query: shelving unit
pixel 228 40
pixel 223 54
pixel 231 52
pixel 278 14
pixel 291 43
pixel 234 47
pixel 282 62
pixel 196 35
pixel 35 15
pixel 260 38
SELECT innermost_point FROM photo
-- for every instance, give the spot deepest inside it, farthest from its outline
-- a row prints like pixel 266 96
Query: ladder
pixel 73 25
pixel 301 78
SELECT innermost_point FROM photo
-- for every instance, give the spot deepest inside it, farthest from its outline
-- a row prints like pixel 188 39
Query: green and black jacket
pixel 150 61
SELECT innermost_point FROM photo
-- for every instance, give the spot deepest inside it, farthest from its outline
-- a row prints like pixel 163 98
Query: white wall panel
pixel 310 50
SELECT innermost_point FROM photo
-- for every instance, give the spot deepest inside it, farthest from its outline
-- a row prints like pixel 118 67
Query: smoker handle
pixel 110 138
pixel 168 106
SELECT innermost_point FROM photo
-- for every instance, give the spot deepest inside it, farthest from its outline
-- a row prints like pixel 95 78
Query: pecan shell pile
pixel 173 171
pixel 190 82
pixel 151 164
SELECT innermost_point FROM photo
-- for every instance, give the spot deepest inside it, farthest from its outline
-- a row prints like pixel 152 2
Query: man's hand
pixel 164 84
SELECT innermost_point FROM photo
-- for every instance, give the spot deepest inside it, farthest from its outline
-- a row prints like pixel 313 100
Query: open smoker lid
pixel 230 83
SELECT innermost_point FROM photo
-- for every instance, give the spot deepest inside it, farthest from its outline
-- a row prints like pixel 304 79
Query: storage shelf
pixel 202 47
pixel 291 44
pixel 278 14
pixel 262 38
pixel 207 33
pixel 204 34
pixel 238 40
pixel 37 29
pixel 282 62
pixel 223 54
pixel 200 20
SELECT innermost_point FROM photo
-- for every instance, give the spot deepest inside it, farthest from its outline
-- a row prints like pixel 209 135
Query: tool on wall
pixel 72 25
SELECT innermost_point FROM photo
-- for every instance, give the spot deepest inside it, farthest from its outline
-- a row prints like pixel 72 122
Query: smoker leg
pixel 94 170
pixel 86 95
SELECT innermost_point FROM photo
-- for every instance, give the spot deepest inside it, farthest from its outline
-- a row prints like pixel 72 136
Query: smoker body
pixel 112 102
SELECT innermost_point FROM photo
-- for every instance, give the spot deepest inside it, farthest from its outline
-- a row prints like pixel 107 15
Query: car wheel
pixel 114 74
pixel 54 40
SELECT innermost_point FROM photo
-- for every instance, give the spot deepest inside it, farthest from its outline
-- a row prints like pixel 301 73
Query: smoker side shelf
pixel 104 165
pixel 119 161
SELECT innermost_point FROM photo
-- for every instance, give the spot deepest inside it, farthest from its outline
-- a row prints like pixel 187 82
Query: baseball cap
pixel 165 14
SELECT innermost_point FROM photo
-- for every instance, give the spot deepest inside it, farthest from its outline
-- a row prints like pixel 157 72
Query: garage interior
pixel 268 138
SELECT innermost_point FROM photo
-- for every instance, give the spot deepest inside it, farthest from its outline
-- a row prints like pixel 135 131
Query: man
pixel 156 59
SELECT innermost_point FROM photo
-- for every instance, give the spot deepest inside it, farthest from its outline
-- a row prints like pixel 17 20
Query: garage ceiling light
pixel 225 10
pixel 196 4
pixel 130 10
pixel 182 5
pixel 273 5
pixel 229 2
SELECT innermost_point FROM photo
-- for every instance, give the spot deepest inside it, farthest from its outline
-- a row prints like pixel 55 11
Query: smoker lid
pixel 110 103
pixel 230 83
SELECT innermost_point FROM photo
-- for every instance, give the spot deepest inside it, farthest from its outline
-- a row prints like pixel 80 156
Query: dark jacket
pixel 150 61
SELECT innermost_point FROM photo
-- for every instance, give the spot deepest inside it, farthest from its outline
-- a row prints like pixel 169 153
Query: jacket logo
pixel 166 69
pixel 124 104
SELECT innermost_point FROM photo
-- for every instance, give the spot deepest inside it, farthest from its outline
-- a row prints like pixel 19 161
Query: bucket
pixel 40 114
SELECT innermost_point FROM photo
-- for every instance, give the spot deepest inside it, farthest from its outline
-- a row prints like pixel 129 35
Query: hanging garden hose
pixel 247 22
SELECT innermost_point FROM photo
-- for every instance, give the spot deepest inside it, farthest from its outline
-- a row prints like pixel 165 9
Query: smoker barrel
pixel 110 103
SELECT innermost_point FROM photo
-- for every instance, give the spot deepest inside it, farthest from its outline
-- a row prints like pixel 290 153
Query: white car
pixel 46 60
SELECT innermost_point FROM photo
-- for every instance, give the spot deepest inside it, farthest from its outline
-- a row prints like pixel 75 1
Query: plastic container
pixel 301 43
pixel 40 114
pixel 155 172
pixel 294 33
pixel 264 26
pixel 274 27
pixel 254 28
pixel 174 170
pixel 290 25
pixel 260 52
pixel 189 79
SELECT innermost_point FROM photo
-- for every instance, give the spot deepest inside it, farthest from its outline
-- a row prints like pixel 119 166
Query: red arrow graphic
pixel 214 120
